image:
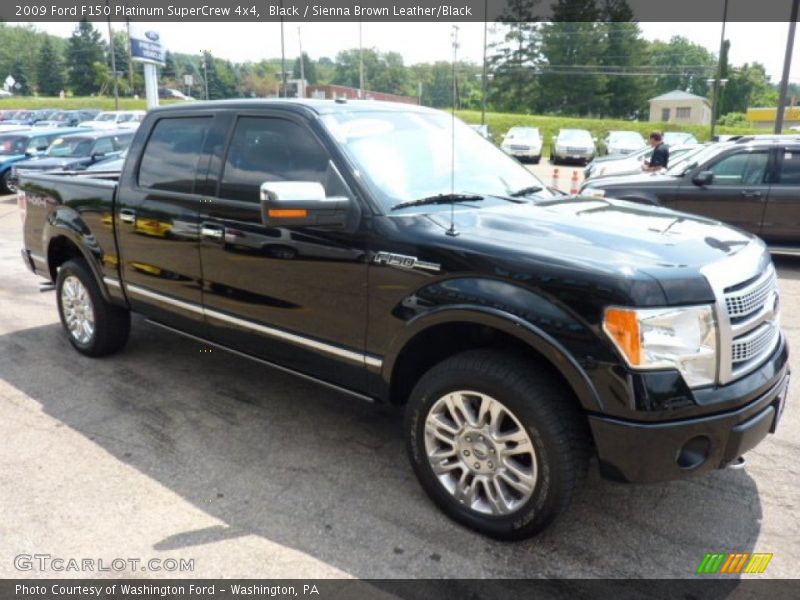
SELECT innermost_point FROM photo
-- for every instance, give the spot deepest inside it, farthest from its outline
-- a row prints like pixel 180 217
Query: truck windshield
pixel 405 156
pixel 66 147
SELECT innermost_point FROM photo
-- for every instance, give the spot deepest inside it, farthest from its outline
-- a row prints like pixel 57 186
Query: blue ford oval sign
pixel 152 35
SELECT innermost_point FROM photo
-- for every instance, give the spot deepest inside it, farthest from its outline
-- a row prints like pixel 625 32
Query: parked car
pixel 678 138
pixel 172 94
pixel 109 165
pixel 623 142
pixel 632 163
pixel 575 145
pixel 113 119
pixel 484 131
pixel 752 183
pixel 28 117
pixel 5 94
pixel 522 329
pixel 77 151
pixel 523 143
pixel 133 122
pixel 23 145
pixel 68 118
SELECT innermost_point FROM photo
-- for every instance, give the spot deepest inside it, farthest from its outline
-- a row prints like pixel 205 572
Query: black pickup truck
pixel 390 252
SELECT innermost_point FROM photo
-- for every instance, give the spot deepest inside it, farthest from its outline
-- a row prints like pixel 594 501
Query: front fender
pixel 519 312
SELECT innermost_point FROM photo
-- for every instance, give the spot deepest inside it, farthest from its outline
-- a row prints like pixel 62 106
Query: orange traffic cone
pixel 554 183
pixel 573 184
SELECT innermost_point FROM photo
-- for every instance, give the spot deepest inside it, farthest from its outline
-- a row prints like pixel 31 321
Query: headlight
pixel 682 338
pixel 561 148
pixel 589 191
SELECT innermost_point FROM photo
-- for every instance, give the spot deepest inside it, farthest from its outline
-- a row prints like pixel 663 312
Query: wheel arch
pixel 443 332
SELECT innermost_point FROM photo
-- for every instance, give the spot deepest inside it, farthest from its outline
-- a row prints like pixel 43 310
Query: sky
pixel 427 42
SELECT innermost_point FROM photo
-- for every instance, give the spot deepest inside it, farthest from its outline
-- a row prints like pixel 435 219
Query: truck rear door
pixel 782 216
pixel 156 219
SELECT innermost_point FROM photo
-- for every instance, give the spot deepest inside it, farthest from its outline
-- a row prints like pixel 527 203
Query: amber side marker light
pixel 623 327
pixel 288 213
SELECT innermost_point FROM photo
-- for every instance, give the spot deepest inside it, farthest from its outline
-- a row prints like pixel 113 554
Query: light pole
pixel 113 61
pixel 205 72
pixel 302 88
pixel 283 58
pixel 483 81
pixel 715 104
pixel 360 63
pixel 787 63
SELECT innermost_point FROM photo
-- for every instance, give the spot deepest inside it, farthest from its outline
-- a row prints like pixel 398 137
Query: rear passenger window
pixel 790 167
pixel 265 149
pixel 169 160
pixel 103 146
pixel 744 168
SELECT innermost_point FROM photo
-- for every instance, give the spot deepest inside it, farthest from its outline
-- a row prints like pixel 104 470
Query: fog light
pixel 694 452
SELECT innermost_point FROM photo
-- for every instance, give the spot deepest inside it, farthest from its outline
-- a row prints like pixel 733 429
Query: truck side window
pixel 267 149
pixel 744 168
pixel 103 146
pixel 169 161
pixel 790 167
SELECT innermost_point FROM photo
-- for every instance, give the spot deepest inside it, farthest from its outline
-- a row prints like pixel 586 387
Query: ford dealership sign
pixel 146 45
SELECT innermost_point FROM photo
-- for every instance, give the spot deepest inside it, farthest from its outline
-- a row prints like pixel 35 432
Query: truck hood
pixel 611 238
pixel 51 162
pixel 640 180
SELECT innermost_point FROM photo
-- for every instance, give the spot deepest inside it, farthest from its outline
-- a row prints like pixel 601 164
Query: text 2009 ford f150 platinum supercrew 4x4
pixel 391 252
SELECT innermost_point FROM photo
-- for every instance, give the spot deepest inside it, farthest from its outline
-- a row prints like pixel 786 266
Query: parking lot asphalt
pixel 164 451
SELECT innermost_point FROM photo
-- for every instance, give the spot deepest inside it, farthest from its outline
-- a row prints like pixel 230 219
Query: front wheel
pixel 5 183
pixel 94 326
pixel 497 445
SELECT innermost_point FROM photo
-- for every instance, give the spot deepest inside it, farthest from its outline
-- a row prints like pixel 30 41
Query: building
pixel 680 107
pixel 764 118
pixel 331 92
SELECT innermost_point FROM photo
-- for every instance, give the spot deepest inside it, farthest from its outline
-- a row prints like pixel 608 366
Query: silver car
pixel 574 145
pixel 523 143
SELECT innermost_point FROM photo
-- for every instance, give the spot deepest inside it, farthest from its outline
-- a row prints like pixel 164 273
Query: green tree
pixel 309 69
pixel 748 86
pixel 19 73
pixel 514 61
pixel 85 48
pixel 622 58
pixel 49 70
pixel 681 65
pixel 382 72
pixel 572 45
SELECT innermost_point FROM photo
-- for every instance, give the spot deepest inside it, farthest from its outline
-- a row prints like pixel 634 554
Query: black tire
pixel 537 159
pixel 5 183
pixel 540 403
pixel 112 323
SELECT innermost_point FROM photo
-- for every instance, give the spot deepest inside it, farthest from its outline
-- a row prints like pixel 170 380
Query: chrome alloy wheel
pixel 480 452
pixel 78 310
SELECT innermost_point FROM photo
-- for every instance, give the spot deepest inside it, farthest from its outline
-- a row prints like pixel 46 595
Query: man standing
pixel 660 157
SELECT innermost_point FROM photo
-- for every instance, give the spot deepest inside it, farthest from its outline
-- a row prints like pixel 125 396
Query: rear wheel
pixel 93 326
pixel 497 446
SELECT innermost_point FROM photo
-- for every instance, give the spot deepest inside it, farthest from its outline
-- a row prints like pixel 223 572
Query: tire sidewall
pixel 538 511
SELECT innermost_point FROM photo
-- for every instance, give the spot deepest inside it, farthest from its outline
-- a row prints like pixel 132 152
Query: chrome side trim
pixel 299 340
pixel 311 378
pixel 38 258
pixel 112 282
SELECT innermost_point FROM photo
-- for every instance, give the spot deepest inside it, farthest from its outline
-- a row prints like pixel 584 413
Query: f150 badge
pixel 405 262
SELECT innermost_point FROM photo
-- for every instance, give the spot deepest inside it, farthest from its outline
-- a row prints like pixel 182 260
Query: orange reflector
pixel 623 328
pixel 287 213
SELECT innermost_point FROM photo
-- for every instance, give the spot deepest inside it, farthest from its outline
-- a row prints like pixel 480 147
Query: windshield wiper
pixel 440 199
pixel 527 191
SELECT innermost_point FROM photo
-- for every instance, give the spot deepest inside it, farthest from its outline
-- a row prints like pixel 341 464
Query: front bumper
pixel 661 451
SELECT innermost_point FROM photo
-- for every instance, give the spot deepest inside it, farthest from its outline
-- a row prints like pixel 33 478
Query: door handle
pixel 213 232
pixel 127 215
pixel 751 194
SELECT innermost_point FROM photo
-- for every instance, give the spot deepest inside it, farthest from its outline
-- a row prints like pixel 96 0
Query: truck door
pixel 782 216
pixel 737 193
pixel 295 296
pixel 157 222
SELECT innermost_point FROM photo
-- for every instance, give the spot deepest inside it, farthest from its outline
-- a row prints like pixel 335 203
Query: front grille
pixel 520 148
pixel 754 344
pixel 577 150
pixel 744 302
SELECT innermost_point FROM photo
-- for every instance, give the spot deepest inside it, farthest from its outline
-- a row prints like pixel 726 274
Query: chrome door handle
pixel 749 194
pixel 212 232
pixel 127 215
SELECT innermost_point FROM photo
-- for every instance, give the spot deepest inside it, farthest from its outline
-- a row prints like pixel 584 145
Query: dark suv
pixel 752 183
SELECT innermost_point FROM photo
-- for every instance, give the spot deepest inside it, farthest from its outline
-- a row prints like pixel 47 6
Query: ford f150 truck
pixel 391 252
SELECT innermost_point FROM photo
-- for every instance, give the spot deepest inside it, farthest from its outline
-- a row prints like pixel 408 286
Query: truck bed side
pixel 67 215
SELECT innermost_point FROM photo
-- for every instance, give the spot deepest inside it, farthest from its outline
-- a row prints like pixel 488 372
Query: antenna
pixel 452 231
